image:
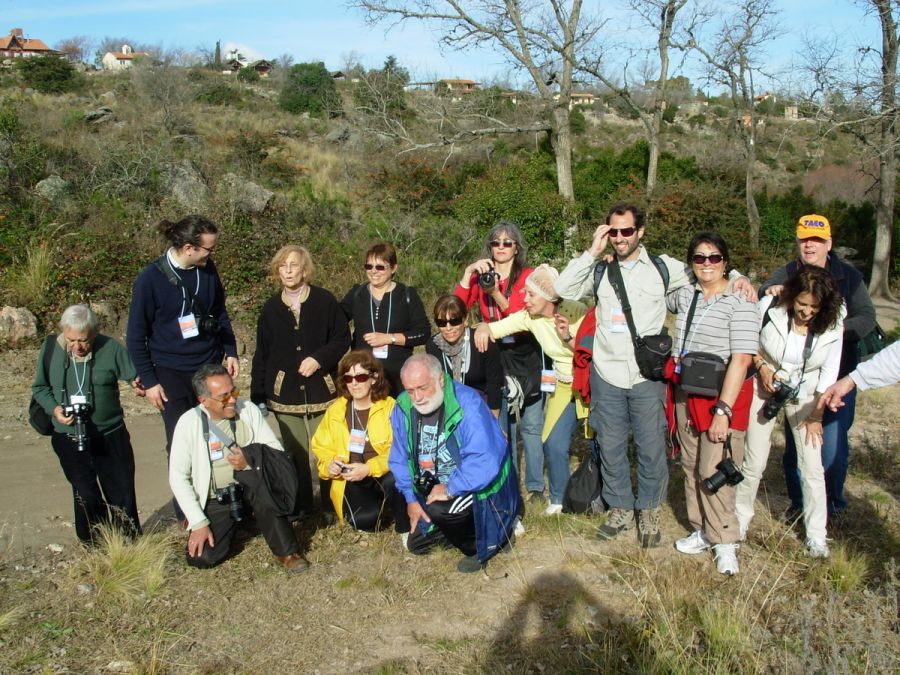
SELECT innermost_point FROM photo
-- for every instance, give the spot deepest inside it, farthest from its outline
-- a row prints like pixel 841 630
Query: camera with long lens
pixel 207 323
pixel 487 280
pixel 726 473
pixel 779 397
pixel 81 412
pixel 425 482
pixel 233 496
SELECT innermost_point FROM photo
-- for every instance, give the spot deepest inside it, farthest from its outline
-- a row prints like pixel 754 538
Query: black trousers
pixel 180 392
pixel 369 504
pixel 102 479
pixel 454 523
pixel 276 530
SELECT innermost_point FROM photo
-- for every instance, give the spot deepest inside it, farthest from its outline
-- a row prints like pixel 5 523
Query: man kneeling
pixel 225 458
pixel 450 461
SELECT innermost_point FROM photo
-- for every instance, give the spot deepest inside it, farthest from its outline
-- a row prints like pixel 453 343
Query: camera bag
pixel 702 373
pixel 650 351
pixel 38 418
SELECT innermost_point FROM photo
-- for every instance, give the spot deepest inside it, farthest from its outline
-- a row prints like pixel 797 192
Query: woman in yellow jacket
pixel 352 444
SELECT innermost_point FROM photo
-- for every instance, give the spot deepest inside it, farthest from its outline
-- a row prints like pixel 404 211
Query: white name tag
pixel 78 399
pixel 357 441
pixel 617 321
pixel 508 340
pixel 548 381
pixel 188 326
pixel 216 450
pixel 380 352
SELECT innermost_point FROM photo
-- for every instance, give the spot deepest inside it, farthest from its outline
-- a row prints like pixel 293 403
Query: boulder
pixel 244 195
pixel 99 115
pixel 107 313
pixel 186 185
pixel 52 188
pixel 107 97
pixel 337 135
pixel 16 324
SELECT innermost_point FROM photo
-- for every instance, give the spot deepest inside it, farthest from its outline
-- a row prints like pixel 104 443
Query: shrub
pixel 309 87
pixel 220 93
pixel 49 74
pixel 248 74
pixel 577 121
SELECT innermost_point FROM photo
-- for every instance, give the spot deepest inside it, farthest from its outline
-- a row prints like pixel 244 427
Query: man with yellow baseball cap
pixel 814 248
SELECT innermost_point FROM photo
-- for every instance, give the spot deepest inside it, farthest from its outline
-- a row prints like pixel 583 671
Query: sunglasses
pixel 623 231
pixel 443 323
pixel 362 377
pixel 506 243
pixel 378 268
pixel 699 259
pixel 234 393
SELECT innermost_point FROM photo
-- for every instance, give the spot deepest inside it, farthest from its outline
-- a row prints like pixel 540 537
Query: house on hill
pixel 121 60
pixel 15 45
pixel 455 89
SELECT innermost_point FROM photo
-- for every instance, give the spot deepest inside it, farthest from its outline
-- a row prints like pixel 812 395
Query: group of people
pixel 428 440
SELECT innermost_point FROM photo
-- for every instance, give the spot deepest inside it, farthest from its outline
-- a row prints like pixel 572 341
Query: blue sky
pixel 326 30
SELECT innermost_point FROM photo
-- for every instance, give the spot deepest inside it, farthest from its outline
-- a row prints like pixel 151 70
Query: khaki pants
pixel 714 514
pixel 296 436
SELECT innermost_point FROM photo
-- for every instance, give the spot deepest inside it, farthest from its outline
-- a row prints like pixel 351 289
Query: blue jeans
pixel 530 431
pixel 835 456
pixel 556 453
pixel 642 410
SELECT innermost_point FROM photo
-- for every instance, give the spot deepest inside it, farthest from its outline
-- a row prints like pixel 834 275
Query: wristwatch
pixel 721 408
pixel 393 339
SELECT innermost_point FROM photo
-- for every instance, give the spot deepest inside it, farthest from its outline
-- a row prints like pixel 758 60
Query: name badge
pixel 426 462
pixel 617 321
pixel 380 352
pixel 78 399
pixel 188 326
pixel 508 340
pixel 548 381
pixel 216 450
pixel 357 441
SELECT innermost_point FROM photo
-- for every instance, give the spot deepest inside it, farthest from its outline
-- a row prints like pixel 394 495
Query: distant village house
pixel 455 88
pixel 15 45
pixel 121 60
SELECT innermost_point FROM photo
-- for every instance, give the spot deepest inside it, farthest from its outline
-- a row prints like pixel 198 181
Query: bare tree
pixel 76 48
pixel 540 38
pixel 733 55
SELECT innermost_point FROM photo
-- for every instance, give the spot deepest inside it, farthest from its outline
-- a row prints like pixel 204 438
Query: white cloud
pixel 247 53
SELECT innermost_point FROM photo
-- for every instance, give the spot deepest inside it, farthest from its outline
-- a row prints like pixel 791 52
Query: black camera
pixel 726 473
pixel 425 482
pixel 487 280
pixel 209 324
pixel 81 412
pixel 779 397
pixel 233 496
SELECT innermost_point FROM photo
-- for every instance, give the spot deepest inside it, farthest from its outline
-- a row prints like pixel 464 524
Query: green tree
pixel 248 74
pixel 381 92
pixel 48 74
pixel 310 88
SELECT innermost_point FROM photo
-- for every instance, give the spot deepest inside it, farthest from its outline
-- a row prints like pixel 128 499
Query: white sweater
pixel 881 370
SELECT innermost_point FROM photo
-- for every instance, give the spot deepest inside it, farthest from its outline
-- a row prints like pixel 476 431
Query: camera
pixel 425 482
pixel 209 324
pixel 487 280
pixel 779 397
pixel 726 473
pixel 233 496
pixel 80 411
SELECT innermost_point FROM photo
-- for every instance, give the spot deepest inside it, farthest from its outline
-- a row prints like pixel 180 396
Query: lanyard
pixel 183 288
pixel 357 424
pixel 390 295
pixel 687 325
pixel 491 303
pixel 79 381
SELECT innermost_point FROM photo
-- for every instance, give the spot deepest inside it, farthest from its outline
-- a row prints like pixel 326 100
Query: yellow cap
pixel 813 225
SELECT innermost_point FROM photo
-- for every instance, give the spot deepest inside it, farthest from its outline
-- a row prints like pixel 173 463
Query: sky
pixel 329 31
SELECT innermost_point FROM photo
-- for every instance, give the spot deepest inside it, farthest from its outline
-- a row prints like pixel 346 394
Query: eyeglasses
pixel 506 243
pixel 442 323
pixel 378 268
pixel 714 258
pixel 233 394
pixel 361 377
pixel 623 231
pixel 210 250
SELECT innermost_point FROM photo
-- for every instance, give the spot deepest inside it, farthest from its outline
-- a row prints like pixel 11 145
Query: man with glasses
pixel 621 398
pixel 177 321
pixel 209 450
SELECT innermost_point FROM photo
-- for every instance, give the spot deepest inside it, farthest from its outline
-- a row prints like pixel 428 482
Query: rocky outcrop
pixel 244 195
pixel 16 324
pixel 52 188
pixel 187 186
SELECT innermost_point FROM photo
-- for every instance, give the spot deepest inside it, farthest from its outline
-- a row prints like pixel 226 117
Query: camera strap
pixel 618 284
pixel 219 434
pixel 491 303
pixel 726 448
pixel 165 266
pixel 807 349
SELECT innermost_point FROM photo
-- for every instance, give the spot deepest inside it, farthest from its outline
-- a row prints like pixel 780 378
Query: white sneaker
pixel 692 544
pixel 519 529
pixel 553 510
pixel 726 558
pixel 817 549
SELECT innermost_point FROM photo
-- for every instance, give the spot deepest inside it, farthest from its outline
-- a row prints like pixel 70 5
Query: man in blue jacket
pixel 450 463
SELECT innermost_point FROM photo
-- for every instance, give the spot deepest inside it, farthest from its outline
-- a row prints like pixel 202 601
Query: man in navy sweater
pixel 178 320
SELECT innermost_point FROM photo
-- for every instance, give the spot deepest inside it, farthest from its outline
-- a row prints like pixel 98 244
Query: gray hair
pixel 79 317
pixel 430 362
pixel 513 232
pixel 198 381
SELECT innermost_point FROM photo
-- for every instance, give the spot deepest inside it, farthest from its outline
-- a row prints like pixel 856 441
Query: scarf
pixel 457 355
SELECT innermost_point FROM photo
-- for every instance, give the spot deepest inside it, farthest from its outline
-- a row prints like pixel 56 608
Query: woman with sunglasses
pixel 799 358
pixel 301 335
pixel 452 346
pixel 353 442
pixel 716 337
pixel 388 317
pixel 496 283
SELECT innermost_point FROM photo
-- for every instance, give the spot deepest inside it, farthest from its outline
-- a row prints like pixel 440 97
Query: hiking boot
pixel 692 544
pixel 535 497
pixel 617 521
pixel 469 564
pixel 553 510
pixel 648 528
pixel 817 549
pixel 726 558
pixel 293 562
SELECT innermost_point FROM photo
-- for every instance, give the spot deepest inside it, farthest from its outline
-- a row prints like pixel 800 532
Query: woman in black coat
pixel 301 336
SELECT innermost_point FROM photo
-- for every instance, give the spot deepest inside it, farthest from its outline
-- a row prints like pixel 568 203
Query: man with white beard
pixel 450 462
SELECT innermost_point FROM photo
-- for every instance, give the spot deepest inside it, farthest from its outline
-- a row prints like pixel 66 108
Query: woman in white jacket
pixel 799 355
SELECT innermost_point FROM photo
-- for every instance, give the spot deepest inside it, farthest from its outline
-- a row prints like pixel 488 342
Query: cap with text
pixel 813 225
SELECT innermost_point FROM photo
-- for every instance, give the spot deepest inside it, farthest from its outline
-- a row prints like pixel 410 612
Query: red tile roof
pixel 17 43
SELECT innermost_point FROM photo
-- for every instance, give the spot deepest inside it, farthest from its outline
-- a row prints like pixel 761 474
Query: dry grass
pixel 28 279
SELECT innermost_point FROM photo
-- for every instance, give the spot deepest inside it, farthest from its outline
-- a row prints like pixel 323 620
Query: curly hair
pixel 361 357
pixel 282 254
pixel 821 284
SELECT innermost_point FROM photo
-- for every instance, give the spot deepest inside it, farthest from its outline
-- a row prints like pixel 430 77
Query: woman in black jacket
pixel 301 336
pixel 388 317
pixel 452 345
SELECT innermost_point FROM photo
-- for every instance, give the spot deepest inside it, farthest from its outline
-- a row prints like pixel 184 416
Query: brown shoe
pixel 183 523
pixel 293 562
